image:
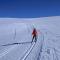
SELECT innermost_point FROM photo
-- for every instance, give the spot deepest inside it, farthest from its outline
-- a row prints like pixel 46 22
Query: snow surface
pixel 16 30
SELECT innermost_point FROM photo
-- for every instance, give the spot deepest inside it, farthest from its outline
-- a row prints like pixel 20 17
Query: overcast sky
pixel 29 8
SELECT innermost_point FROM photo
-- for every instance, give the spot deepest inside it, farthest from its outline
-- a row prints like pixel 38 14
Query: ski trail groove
pixel 28 52
pixel 7 51
pixel 41 47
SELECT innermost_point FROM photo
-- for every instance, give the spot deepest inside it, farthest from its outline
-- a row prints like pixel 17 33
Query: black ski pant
pixel 34 38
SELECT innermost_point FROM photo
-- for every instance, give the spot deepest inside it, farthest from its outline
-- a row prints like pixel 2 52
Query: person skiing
pixel 34 35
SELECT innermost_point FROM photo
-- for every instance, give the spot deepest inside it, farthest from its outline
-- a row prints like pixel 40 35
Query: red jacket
pixel 34 32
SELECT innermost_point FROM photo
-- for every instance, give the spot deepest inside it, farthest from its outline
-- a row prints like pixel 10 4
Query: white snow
pixel 16 30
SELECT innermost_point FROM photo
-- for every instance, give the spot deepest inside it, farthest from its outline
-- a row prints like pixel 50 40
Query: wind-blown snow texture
pixel 15 30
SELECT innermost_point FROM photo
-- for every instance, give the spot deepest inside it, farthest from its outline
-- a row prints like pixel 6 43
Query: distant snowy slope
pixel 17 30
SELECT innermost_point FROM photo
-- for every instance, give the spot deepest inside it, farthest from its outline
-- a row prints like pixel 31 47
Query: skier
pixel 34 35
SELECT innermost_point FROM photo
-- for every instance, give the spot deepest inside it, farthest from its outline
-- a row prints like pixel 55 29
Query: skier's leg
pixel 35 38
pixel 32 38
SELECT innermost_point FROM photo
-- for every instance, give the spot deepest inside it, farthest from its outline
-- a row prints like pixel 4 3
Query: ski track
pixel 53 50
pixel 7 51
pixel 28 52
